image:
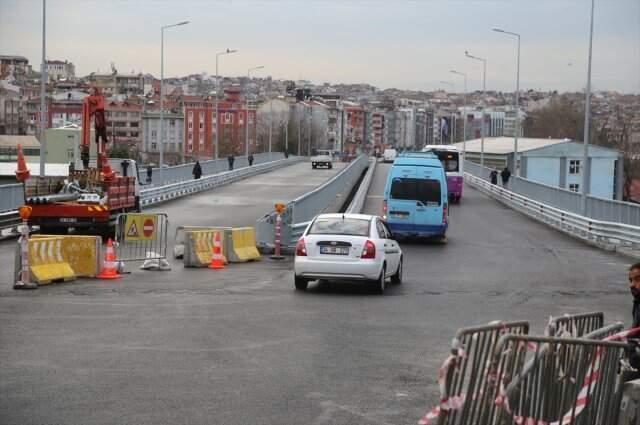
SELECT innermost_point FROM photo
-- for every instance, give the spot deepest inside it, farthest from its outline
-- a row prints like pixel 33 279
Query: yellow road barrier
pixel 82 253
pixel 46 262
pixel 242 245
pixel 199 248
pixel 181 236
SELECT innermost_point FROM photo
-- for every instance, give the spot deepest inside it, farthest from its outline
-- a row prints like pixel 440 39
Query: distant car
pixel 322 159
pixel 389 155
pixel 347 247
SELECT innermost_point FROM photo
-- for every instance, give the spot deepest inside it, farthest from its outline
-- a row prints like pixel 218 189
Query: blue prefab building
pixel 555 162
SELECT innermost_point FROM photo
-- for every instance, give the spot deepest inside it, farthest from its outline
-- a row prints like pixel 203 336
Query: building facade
pixel 60 70
pixel 124 123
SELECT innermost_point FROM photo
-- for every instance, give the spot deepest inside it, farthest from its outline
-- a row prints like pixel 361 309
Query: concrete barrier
pixel 82 253
pixel 181 237
pixel 630 405
pixel 46 262
pixel 242 245
pixel 199 247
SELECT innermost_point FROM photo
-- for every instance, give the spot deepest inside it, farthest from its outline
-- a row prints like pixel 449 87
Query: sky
pixel 387 43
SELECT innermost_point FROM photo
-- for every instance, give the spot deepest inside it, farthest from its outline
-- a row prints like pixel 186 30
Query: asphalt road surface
pixel 241 346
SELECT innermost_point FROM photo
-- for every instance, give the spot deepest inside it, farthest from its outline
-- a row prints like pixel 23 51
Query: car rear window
pixel 340 226
pixel 426 191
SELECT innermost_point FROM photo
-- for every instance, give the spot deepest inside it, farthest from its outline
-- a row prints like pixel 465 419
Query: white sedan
pixel 347 247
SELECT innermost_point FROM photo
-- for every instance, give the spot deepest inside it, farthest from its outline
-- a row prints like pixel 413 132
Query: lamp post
pixel 162 98
pixel 43 81
pixel 464 118
pixel 453 90
pixel 586 170
pixel 484 86
pixel 226 52
pixel 246 123
pixel 517 124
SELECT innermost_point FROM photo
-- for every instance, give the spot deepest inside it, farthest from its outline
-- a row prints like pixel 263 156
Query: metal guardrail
pixel 299 212
pixel 576 325
pixel 597 208
pixel 180 173
pixel 168 192
pixel 11 196
pixel 604 234
pixel 357 203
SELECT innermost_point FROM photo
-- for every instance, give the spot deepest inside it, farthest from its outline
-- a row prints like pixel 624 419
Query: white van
pixel 389 155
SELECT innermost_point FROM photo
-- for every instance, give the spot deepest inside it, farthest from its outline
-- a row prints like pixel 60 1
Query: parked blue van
pixel 415 196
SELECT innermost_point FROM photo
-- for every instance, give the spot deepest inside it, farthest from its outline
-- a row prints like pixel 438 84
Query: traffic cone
pixel 216 258
pixel 22 173
pixel 109 270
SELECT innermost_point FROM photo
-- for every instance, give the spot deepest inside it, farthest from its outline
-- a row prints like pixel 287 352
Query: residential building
pixel 13 118
pixel 174 133
pixel 378 134
pixel 231 124
pixel 405 128
pixel 124 123
pixel 354 130
pixel 555 162
pixel 14 66
pixel 60 70
pixel 425 120
pixel 118 84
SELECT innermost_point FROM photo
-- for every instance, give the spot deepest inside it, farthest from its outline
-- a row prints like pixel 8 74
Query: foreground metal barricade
pixel 463 377
pixel 553 381
pixel 576 325
pixel 141 237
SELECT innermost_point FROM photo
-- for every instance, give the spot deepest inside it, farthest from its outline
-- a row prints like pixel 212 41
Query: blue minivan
pixel 415 196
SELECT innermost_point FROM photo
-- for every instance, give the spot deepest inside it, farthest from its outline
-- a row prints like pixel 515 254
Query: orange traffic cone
pixel 22 173
pixel 216 258
pixel 109 264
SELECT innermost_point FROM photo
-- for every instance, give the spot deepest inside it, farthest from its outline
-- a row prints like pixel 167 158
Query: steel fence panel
pixel 465 371
pixel 576 325
pixel 547 380
pixel 11 196
pixel 141 249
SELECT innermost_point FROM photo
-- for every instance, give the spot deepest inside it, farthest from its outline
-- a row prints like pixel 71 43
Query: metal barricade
pixel 463 378
pixel 576 325
pixel 553 381
pixel 141 237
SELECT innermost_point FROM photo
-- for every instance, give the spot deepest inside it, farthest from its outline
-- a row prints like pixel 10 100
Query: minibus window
pixel 429 192
pixel 426 191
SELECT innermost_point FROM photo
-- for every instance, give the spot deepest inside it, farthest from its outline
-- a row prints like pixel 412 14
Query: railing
pixel 214 166
pixel 300 211
pixel 597 208
pixel 604 234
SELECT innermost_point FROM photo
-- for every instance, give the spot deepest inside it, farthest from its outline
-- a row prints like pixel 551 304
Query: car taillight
pixel 384 209
pixel 444 214
pixel 369 250
pixel 301 251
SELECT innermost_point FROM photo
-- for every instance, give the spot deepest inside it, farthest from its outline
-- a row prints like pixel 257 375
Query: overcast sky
pixel 392 43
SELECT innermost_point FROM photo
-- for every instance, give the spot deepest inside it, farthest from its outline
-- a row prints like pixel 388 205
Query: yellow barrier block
pixel 243 245
pixel 81 252
pixel 46 262
pixel 201 246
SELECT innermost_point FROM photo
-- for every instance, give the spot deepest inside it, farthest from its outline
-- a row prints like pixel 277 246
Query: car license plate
pixel 334 250
pixel 68 220
pixel 399 215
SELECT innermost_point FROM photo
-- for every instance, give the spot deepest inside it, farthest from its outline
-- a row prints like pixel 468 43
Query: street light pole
pixel 484 87
pixel 246 123
pixel 517 123
pixel 43 81
pixel 270 122
pixel 453 90
pixel 464 117
pixel 586 170
pixel 226 52
pixel 162 99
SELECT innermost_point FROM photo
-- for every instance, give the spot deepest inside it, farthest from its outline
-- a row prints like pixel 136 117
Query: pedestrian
pixel 250 159
pixel 632 354
pixel 197 171
pixel 493 176
pixel 286 153
pixel 230 160
pixel 506 174
pixel 149 174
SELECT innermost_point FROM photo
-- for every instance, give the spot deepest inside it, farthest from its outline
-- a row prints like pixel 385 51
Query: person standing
pixel 634 287
pixel 230 160
pixel 149 174
pixel 493 176
pixel 632 353
pixel 197 170
pixel 506 174
pixel 250 159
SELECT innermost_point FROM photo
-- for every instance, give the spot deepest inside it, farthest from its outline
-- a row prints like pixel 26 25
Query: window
pixel 574 167
pixel 201 116
pixel 190 125
pixel 201 138
pixel 240 118
pixel 381 230
pixel 134 134
pixel 574 187
pixel 154 146
pixel 190 115
pixel 190 136
pixel 340 226
pixel 228 118
pixel 449 160
pixel 201 125
pixel 172 123
pixel 426 191
pixel 190 147
pixel 133 124
pixel 154 133
pixel 250 118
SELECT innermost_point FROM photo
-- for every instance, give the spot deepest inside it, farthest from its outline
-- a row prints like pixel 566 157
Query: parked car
pixel 322 159
pixel 347 247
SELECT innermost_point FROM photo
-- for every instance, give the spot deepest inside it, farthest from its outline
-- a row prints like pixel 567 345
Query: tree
pixel 561 118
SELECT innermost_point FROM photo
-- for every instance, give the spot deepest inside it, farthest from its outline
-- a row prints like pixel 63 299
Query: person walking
pixel 632 354
pixel 250 159
pixel 149 174
pixel 506 174
pixel 197 171
pixel 230 160
pixel 493 176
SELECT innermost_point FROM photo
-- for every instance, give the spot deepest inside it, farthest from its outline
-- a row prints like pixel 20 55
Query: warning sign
pixel 139 227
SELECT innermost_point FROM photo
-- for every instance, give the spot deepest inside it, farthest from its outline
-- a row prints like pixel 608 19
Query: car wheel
pixel 330 166
pixel 397 278
pixel 378 284
pixel 313 166
pixel 442 239
pixel 301 284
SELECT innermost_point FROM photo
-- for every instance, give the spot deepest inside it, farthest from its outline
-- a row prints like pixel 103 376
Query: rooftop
pixel 504 145
pixel 25 141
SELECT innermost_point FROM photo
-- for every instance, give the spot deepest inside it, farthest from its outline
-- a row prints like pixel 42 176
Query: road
pixel 241 346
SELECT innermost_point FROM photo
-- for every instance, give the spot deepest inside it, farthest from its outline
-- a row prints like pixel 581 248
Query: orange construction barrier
pixel 109 265
pixel 217 263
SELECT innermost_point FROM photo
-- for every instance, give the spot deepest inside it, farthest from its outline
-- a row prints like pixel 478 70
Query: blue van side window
pixel 426 191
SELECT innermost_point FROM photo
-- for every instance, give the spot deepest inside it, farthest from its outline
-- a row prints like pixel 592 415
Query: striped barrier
pixel 46 261
pixel 242 245
pixel 82 253
pixel 199 248
pixel 181 237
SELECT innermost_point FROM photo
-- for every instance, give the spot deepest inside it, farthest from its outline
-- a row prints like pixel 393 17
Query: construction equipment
pixel 90 197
